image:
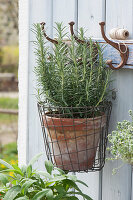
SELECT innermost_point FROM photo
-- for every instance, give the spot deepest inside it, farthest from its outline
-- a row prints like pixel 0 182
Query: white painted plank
pixel 64 11
pixel 119 14
pixel 132 185
pixel 92 180
pixel 23 80
pixel 39 11
pixel 89 15
pixel 119 186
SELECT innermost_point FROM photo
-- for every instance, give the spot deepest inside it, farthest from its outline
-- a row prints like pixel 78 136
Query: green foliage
pixel 11 103
pixel 70 75
pixel 9 22
pixel 28 184
pixel 9 56
pixel 8 103
pixel 9 154
pixel 122 141
pixel 1 56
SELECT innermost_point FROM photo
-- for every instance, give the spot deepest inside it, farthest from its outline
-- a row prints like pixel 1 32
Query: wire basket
pixel 75 138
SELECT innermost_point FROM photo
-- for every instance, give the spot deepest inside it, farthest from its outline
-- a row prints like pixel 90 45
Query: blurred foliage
pixel 9 21
pixel 9 57
pixel 9 103
pixel 10 7
pixel 9 153
pixel 1 56
pixel 8 118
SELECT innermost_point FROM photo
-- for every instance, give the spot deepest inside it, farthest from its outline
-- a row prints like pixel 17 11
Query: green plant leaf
pixel 71 198
pixel 56 179
pixel 12 170
pixel 26 186
pixel 60 189
pixel 81 194
pixel 45 174
pixel 18 169
pixel 23 169
pixel 60 170
pixel 50 195
pixel 41 194
pixel 59 197
pixel 12 193
pixel 79 181
pixel 72 177
pixel 6 164
pixel 35 158
pixel 71 184
pixel 22 198
pixel 29 170
pixel 3 179
pixel 49 167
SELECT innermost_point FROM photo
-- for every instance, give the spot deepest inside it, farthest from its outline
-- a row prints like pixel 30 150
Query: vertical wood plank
pixel 23 81
pixel 131 193
pixel 39 11
pixel 118 186
pixel 119 14
pixel 63 11
pixel 100 185
pixel 90 14
pixel 132 186
pixel 92 180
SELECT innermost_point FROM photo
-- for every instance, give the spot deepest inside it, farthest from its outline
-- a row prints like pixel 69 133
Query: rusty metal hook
pixel 45 35
pixel 123 49
pixel 82 41
pixel 75 37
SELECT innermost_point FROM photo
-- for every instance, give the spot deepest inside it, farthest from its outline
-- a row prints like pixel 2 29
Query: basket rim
pixel 105 104
pixel 79 119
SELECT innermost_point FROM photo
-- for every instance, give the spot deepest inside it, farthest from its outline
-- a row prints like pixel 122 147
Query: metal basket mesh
pixel 75 138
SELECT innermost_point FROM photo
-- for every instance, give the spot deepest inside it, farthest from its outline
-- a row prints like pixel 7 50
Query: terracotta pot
pixel 74 142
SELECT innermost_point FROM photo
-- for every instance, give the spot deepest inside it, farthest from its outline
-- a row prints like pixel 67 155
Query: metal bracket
pixel 123 49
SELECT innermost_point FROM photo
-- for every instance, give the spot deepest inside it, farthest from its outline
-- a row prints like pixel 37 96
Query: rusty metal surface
pixel 45 35
pixel 123 49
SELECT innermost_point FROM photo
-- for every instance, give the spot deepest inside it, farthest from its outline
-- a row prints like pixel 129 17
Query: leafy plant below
pixel 9 153
pixel 29 184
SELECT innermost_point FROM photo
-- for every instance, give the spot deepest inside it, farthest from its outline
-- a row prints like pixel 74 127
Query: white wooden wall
pixel 88 14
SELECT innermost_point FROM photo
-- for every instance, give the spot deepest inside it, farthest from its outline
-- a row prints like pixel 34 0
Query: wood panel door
pixel 102 185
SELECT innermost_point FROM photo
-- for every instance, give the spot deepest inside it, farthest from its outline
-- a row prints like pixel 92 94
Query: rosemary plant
pixel 73 75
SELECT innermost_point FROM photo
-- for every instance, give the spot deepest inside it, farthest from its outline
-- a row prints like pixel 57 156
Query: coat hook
pixel 45 35
pixel 82 41
pixel 75 37
pixel 123 49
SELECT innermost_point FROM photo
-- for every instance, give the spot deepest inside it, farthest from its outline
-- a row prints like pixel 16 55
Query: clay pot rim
pixel 63 118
